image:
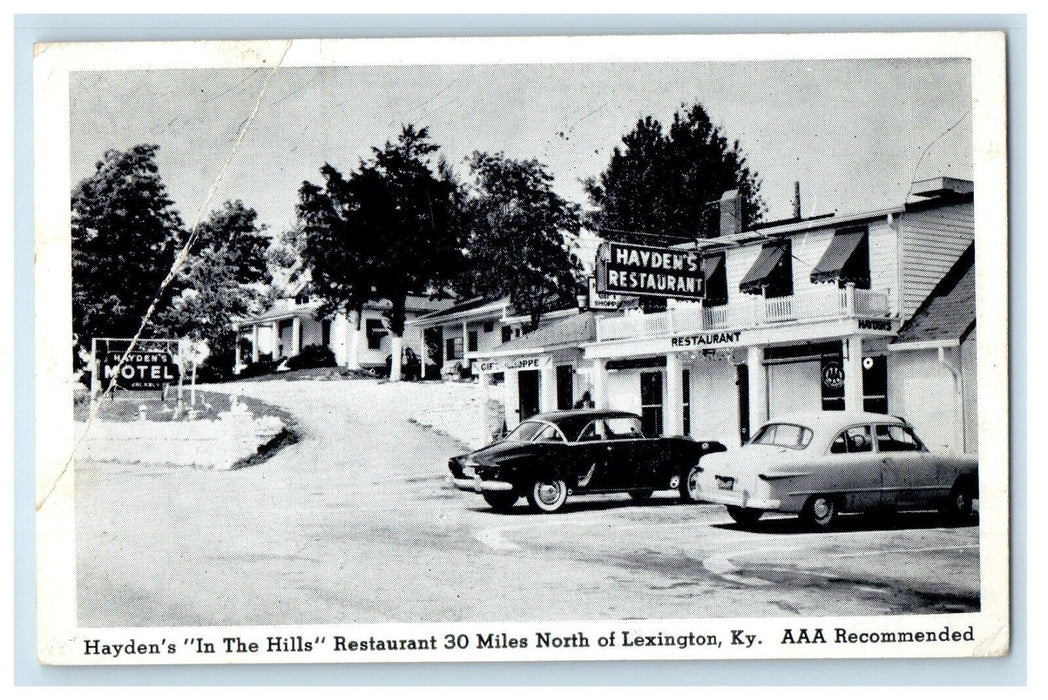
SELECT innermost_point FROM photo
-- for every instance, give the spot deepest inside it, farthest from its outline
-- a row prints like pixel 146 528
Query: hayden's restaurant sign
pixel 646 271
pixel 141 370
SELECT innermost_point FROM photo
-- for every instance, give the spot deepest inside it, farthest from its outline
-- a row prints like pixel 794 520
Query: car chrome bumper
pixel 480 486
pixel 741 499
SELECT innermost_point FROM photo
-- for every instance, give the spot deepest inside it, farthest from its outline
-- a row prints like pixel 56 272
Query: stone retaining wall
pixel 206 444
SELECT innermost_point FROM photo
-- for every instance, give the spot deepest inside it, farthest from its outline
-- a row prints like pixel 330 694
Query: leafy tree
pixel 337 249
pixel 392 229
pixel 222 280
pixel 412 207
pixel 125 233
pixel 666 182
pixel 516 245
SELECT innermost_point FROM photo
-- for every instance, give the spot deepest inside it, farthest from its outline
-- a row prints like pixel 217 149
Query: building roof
pixel 949 311
pixel 573 330
pixel 478 306
pixel 930 198
pixel 415 304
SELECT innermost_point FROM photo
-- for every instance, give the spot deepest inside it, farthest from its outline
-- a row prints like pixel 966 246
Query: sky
pixel 852 132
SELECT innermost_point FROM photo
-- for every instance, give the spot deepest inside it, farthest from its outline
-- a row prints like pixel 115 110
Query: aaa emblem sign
pixel 141 370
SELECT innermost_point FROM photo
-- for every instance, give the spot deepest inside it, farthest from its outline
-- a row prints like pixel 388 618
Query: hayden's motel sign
pixel 141 370
pixel 639 270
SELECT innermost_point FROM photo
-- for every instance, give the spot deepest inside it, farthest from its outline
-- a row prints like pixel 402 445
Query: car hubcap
pixel 821 508
pixel 549 493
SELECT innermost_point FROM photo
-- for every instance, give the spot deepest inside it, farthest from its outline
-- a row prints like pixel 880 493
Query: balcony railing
pixel 810 305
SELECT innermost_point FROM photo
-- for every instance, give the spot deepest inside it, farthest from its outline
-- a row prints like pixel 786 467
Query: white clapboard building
pixel 294 323
pixel 797 315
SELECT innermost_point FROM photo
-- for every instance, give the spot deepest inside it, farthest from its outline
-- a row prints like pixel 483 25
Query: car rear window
pixel 795 437
pixel 897 438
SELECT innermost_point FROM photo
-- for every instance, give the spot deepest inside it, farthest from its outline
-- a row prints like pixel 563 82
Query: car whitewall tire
pixel 549 495
pixel 689 486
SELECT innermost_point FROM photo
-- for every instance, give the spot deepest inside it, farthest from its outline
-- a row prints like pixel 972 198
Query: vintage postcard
pixel 492 349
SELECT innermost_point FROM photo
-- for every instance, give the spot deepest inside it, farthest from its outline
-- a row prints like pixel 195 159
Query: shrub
pixel 257 369
pixel 312 356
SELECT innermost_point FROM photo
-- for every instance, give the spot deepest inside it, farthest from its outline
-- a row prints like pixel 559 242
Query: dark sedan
pixel 553 455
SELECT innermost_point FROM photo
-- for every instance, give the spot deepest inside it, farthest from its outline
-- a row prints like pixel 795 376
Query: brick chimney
pixel 730 213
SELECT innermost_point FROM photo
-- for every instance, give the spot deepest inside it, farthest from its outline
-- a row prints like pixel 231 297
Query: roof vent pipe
pixel 797 200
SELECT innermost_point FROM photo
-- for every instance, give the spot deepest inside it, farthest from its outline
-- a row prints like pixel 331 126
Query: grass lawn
pixel 209 405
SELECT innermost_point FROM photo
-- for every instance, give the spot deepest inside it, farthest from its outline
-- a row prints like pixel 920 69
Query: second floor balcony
pixel 811 305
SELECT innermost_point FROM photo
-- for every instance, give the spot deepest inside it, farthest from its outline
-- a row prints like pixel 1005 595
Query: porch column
pixel 424 352
pixel 296 335
pixel 853 374
pixel 600 383
pixel 465 342
pixel 274 340
pixel 236 351
pixel 254 342
pixel 339 336
pixel 548 389
pixel 673 412
pixel 758 389
pixel 485 414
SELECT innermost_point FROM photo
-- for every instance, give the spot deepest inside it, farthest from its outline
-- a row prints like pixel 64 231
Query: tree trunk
pixel 396 349
pixel 396 335
pixel 353 354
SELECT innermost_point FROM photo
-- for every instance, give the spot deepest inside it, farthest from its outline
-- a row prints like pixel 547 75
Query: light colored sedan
pixel 822 464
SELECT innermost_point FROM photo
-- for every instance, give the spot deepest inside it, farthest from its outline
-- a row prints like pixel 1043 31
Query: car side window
pixel 548 434
pixel 594 430
pixel 896 438
pixel 853 440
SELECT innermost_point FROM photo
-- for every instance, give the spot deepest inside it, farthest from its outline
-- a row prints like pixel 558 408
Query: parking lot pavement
pixel 356 523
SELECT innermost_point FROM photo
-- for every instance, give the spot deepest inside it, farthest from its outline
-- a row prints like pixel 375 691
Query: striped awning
pixel 847 259
pixel 764 267
pixel 715 279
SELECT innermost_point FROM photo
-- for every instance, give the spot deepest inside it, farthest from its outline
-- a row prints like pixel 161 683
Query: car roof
pixel 834 420
pixel 557 417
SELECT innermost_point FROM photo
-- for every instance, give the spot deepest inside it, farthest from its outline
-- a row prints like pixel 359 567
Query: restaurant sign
pixel 139 370
pixel 513 363
pixel 707 340
pixel 624 268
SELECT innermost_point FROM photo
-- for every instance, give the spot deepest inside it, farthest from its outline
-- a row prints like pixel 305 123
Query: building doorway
pixel 528 394
pixel 686 400
pixel 565 387
pixel 651 403
pixel 434 340
pixel 875 384
pixel 742 380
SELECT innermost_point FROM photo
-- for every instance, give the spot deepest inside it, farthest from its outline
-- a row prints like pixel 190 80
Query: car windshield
pixel 526 431
pixel 795 437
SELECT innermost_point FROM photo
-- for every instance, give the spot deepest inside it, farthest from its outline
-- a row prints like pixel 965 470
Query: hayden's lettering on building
pixel 647 271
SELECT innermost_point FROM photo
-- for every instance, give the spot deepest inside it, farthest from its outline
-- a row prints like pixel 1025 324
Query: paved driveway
pixel 355 523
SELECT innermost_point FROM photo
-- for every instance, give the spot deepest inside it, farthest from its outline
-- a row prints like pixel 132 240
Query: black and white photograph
pixel 522 349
